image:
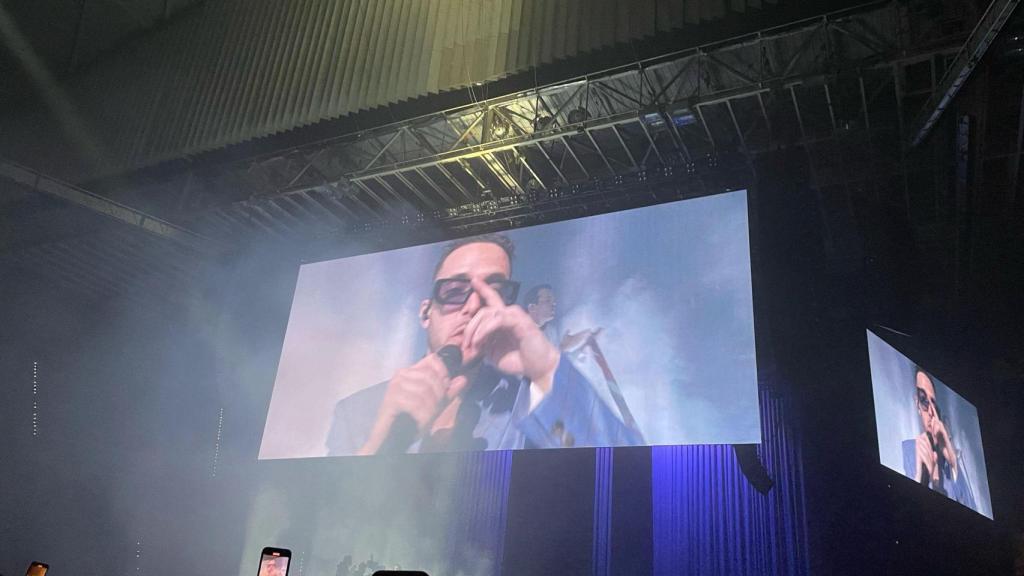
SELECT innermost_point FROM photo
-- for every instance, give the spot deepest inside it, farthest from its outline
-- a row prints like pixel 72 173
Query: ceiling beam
pixel 984 33
pixel 44 184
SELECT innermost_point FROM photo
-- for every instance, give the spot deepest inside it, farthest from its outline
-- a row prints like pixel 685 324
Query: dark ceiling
pixel 843 97
pixel 66 36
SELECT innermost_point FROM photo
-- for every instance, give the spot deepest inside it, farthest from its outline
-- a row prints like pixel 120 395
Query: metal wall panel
pixel 234 70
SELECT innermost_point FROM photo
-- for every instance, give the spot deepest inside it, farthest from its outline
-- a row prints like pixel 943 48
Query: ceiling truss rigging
pixel 748 95
pixel 831 85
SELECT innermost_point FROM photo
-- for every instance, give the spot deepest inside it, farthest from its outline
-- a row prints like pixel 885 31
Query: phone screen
pixel 37 569
pixel 274 562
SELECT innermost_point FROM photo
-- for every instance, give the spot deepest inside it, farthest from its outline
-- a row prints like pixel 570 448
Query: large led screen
pixel 926 431
pixel 625 329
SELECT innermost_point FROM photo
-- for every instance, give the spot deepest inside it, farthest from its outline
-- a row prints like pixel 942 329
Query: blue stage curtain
pixel 709 520
pixel 602 511
pixel 476 533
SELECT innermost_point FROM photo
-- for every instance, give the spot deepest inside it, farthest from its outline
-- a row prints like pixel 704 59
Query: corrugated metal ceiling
pixel 64 35
pixel 228 88
pixel 235 70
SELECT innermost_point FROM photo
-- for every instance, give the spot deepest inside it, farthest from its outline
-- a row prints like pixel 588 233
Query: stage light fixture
pixel 680 117
pixel 541 123
pixel 683 117
pixel 578 115
pixel 752 468
pixel 653 119
pixel 499 128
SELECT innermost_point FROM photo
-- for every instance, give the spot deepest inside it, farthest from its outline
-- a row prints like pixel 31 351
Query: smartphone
pixel 37 569
pixel 274 562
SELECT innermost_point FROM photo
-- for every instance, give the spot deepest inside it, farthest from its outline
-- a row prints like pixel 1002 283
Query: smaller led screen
pixel 926 431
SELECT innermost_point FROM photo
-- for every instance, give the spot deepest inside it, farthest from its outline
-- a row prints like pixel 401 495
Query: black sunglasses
pixel 456 291
pixel 923 401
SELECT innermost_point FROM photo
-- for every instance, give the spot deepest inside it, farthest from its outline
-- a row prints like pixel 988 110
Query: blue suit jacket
pixel 495 415
pixel 959 490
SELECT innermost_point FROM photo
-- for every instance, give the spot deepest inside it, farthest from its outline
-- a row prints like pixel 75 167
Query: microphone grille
pixel 451 355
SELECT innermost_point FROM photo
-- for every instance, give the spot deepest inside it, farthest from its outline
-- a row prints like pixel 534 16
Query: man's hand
pixel 927 461
pixel 421 391
pixel 570 342
pixel 509 339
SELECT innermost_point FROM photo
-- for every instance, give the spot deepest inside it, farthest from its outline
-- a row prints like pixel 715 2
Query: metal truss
pixel 42 183
pixel 841 88
pixel 819 84
pixel 985 32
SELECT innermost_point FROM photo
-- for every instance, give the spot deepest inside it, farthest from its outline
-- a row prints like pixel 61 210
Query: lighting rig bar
pixel 810 84
pixel 839 88
pixel 984 33
pixel 597 196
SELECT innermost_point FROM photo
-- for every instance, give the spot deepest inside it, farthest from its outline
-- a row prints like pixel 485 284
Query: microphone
pixel 926 478
pixel 404 429
pixel 938 446
pixel 451 355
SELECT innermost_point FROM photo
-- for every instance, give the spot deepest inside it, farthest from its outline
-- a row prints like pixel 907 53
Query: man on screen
pixel 582 348
pixel 932 457
pixel 512 388
pixel 541 304
pixel 272 566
